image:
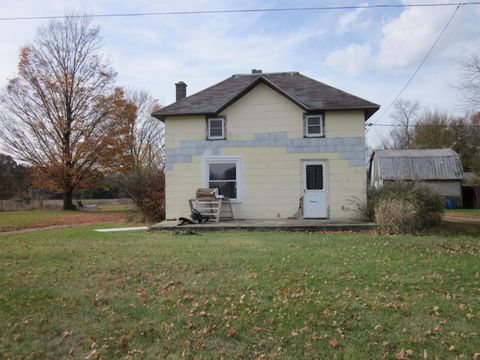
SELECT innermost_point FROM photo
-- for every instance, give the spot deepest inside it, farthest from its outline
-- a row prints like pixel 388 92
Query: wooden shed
pixel 440 169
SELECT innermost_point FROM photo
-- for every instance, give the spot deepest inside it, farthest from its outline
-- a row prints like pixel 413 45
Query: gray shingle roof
pixel 431 164
pixel 309 94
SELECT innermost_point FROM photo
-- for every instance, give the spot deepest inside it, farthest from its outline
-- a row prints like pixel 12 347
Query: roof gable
pixel 255 83
pixel 307 93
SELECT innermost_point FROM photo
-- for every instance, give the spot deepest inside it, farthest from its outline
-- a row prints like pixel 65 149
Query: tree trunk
pixel 68 200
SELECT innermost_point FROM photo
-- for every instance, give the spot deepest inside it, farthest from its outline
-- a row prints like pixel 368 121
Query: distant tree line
pixel 14 179
pixel 17 183
pixel 434 129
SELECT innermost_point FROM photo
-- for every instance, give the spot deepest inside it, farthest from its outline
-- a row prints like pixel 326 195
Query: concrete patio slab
pixel 273 224
pixel 123 229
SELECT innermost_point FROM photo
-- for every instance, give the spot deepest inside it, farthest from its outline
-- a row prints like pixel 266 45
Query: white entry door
pixel 314 189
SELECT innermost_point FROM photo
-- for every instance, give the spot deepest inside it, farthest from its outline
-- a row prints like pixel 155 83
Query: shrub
pixel 395 216
pixel 149 195
pixel 146 187
pixel 427 204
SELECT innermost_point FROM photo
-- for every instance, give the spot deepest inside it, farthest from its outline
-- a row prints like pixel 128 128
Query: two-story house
pixel 279 145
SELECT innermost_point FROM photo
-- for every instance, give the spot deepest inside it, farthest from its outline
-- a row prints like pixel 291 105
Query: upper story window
pixel 314 126
pixel 216 129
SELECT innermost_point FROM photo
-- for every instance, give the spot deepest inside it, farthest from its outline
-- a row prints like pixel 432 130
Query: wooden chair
pixel 209 203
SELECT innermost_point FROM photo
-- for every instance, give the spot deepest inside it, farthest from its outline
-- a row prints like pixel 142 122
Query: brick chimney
pixel 256 71
pixel 180 90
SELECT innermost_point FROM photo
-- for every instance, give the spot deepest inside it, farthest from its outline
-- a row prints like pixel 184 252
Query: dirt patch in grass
pixel 463 213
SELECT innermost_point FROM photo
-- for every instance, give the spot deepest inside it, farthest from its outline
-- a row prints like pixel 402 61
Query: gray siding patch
pixel 351 149
pixel 271 136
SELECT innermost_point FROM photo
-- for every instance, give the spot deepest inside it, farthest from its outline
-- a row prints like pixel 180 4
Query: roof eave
pixel 369 110
pixel 162 116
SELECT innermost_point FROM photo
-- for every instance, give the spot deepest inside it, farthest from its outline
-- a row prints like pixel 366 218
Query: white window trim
pixel 322 130
pixel 238 160
pixel 209 137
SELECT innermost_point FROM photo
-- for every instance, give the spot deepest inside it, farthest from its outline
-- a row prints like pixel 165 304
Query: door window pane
pixel 314 177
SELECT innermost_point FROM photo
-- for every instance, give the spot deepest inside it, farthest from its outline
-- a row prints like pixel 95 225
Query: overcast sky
pixel 368 52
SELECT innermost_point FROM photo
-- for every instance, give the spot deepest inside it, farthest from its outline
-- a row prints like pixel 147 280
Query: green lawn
pixel 76 293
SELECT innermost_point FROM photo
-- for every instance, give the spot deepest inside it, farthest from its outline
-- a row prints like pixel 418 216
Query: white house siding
pixel 266 130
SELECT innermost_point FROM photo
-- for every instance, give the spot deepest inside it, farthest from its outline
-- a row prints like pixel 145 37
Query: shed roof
pixel 309 94
pixel 431 164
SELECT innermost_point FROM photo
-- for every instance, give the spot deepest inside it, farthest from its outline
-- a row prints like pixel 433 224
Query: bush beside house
pixel 403 207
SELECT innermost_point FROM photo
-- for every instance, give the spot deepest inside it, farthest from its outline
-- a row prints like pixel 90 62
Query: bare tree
pixel 404 115
pixel 57 111
pixel 137 153
pixel 147 132
pixel 139 138
pixel 469 84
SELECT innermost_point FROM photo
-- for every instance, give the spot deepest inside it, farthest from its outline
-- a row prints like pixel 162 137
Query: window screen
pixel 224 177
pixel 216 129
pixel 314 177
pixel 313 126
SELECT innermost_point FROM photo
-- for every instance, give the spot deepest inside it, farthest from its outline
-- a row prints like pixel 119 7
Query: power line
pixel 427 126
pixel 421 62
pixel 237 11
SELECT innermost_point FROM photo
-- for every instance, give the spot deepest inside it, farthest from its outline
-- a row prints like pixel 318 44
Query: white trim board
pixel 238 160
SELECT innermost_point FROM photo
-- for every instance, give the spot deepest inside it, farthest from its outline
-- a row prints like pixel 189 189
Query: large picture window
pixel 224 173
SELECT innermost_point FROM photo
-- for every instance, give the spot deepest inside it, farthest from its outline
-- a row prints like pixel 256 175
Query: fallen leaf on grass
pixel 404 354
pixel 123 345
pixel 92 355
pixel 232 332
pixel 258 329
pixel 142 295
pixel 333 343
